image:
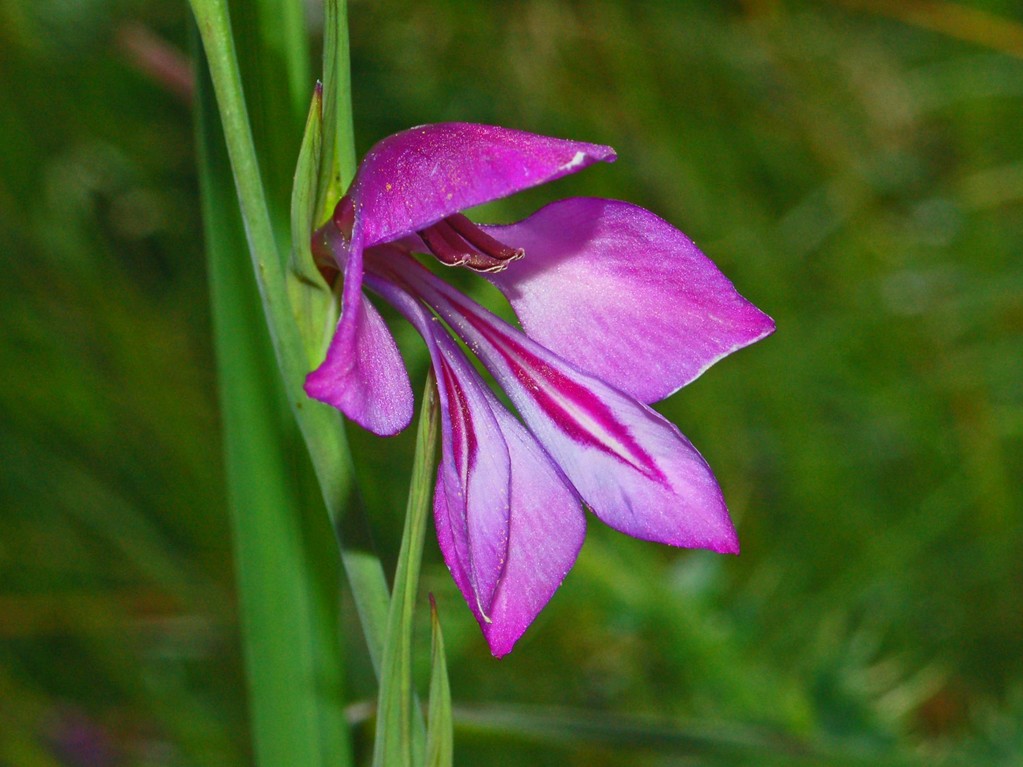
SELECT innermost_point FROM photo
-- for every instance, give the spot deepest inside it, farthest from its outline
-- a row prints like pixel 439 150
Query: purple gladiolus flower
pixel 619 310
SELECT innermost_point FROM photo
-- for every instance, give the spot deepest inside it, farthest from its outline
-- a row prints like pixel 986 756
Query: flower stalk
pixel 287 577
pixel 396 743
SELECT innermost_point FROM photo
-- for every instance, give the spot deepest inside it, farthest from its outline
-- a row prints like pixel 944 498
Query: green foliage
pixel 439 737
pixel 287 572
pixel 397 741
pixel 857 176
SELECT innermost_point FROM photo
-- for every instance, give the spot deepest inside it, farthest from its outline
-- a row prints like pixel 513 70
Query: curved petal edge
pixel 624 295
pixel 422 175
pixel 363 374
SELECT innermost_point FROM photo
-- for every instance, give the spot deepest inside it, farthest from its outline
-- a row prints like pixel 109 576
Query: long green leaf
pixel 394 733
pixel 338 167
pixel 320 425
pixel 273 54
pixel 285 586
pixel 439 736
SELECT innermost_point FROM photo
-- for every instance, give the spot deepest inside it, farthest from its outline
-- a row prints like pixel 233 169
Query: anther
pixel 457 241
pixel 482 241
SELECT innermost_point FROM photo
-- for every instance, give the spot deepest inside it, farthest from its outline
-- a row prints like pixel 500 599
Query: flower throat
pixel 453 241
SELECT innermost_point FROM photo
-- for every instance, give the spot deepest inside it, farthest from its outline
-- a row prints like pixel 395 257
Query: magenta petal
pixel 546 533
pixel 624 295
pixel 547 527
pixel 475 469
pixel 632 467
pixel 363 375
pixel 535 521
pixel 417 177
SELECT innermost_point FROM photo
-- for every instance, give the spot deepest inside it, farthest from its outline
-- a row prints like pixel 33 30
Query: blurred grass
pixel 858 175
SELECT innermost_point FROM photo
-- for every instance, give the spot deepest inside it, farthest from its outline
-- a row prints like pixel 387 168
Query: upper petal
pixel 624 295
pixel 417 177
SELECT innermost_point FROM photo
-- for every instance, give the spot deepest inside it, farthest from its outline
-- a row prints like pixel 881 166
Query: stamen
pixel 482 241
pixel 443 242
pixel 456 241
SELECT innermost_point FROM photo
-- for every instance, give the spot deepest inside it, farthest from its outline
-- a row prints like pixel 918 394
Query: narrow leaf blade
pixel 338 165
pixel 439 735
pixel 394 733
pixel 287 618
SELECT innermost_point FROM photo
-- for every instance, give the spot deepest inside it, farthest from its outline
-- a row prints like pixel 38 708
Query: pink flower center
pixel 454 241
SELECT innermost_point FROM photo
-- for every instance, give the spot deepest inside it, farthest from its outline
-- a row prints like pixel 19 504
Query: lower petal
pixel 363 374
pixel 475 470
pixel 631 466
pixel 546 532
pixel 514 515
pixel 475 467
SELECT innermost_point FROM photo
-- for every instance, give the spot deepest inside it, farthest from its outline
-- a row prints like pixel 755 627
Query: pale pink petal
pixel 632 467
pixel 624 295
pixel 538 527
pixel 475 468
pixel 546 532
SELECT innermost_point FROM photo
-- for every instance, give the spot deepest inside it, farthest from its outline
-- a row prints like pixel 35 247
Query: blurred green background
pixel 854 166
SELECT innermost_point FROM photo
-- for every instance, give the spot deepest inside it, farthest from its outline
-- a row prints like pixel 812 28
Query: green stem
pixel 395 744
pixel 321 426
pixel 287 580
